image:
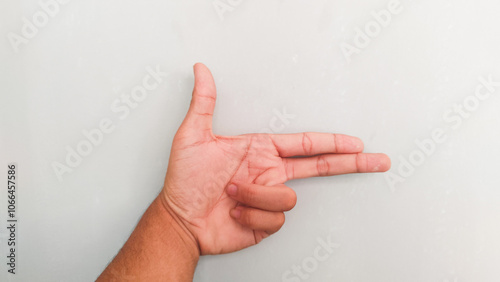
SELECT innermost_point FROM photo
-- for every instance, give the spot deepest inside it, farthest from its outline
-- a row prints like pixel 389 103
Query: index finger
pixel 314 143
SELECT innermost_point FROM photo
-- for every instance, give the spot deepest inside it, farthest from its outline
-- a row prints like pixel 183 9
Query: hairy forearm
pixel 157 250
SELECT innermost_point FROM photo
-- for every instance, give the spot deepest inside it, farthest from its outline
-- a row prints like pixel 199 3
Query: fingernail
pixel 235 213
pixel 232 189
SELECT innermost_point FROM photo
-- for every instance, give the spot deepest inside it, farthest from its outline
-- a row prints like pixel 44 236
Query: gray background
pixel 439 222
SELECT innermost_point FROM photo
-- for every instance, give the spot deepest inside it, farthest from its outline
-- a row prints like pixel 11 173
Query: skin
pixel 226 193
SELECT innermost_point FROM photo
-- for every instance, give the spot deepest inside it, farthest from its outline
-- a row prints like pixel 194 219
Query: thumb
pixel 199 116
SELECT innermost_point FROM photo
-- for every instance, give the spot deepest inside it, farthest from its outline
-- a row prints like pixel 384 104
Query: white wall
pixel 438 222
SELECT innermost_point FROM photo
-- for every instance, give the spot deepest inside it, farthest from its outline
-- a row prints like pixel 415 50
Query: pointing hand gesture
pixel 228 192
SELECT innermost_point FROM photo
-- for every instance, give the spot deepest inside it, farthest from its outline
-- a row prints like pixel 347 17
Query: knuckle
pixel 249 194
pixel 361 163
pixel 306 143
pixel 289 169
pixel 322 166
pixel 247 217
pixel 335 142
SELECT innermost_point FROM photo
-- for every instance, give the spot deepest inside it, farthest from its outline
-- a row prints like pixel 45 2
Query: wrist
pixel 158 249
pixel 177 226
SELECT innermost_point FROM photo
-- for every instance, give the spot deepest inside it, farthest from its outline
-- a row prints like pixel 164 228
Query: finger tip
pixel 200 66
pixel 197 64
pixel 235 213
pixel 350 144
pixel 232 189
pixel 203 81
pixel 385 163
pixel 358 144
pixel 378 163
pixel 197 67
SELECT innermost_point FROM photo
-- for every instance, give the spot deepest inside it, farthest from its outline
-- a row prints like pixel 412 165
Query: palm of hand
pixel 200 199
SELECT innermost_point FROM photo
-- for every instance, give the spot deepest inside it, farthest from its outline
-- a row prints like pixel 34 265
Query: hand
pixel 228 192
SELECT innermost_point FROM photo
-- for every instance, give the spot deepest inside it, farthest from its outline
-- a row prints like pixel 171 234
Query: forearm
pixel 157 250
